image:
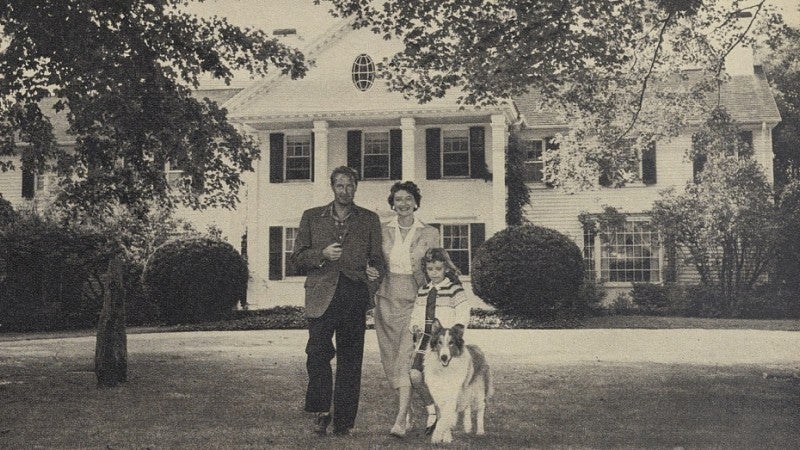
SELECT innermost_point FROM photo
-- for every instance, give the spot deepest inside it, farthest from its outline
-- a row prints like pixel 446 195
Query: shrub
pixel 591 296
pixel 195 279
pixel 52 276
pixel 651 298
pixel 530 271
pixel 7 213
pixel 787 257
pixel 623 305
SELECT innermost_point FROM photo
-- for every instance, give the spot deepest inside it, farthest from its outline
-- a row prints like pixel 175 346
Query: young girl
pixel 442 298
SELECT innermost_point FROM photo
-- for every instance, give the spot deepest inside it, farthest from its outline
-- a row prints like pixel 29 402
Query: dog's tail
pixel 481 369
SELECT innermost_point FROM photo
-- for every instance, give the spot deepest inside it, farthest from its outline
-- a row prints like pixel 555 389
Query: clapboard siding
pixel 11 183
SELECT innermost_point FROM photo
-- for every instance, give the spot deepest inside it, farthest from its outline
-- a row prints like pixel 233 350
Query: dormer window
pixel 363 72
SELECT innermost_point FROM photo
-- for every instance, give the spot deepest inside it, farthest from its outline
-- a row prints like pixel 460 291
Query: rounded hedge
pixel 195 279
pixel 529 271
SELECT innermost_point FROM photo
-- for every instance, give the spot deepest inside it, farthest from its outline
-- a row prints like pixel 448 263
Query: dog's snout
pixel 444 357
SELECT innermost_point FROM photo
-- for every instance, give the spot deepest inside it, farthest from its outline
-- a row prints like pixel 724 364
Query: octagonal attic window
pixel 363 72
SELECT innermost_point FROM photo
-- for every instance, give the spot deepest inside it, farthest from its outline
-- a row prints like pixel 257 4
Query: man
pixel 339 246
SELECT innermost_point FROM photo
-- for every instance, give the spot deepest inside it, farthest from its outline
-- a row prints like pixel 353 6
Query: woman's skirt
pixel 393 305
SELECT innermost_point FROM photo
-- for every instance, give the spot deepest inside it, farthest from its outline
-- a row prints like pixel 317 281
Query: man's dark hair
pixel 344 170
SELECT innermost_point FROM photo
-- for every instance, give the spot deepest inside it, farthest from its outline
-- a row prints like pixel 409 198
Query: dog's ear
pixel 436 327
pixel 457 331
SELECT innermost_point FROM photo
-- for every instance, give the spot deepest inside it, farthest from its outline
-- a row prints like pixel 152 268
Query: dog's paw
pixel 441 436
pixel 480 433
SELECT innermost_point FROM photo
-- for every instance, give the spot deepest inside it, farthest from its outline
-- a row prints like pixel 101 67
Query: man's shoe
pixel 321 422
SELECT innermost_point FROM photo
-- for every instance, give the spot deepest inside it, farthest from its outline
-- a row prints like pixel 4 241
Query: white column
pixel 767 154
pixel 408 127
pixel 499 191
pixel 322 190
pixel 258 228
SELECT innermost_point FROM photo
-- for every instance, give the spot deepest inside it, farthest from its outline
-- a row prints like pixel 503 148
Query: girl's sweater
pixel 452 306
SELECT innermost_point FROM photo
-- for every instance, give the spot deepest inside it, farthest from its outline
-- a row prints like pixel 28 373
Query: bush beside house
pixel 530 271
pixel 196 279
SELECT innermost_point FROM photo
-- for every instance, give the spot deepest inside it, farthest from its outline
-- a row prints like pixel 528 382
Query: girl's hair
pixel 440 254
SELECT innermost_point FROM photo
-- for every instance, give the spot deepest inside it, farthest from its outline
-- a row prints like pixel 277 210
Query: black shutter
pixel 747 139
pixel 311 163
pixel 275 253
pixel 354 151
pixel 276 157
pixel 27 184
pixel 698 163
pixel 243 252
pixel 649 164
pixel 477 236
pixel 477 152
pixel 433 153
pixel 396 154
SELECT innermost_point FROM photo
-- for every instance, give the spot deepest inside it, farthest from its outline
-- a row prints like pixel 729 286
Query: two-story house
pixel 340 114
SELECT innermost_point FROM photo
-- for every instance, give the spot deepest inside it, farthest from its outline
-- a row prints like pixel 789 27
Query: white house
pixel 339 114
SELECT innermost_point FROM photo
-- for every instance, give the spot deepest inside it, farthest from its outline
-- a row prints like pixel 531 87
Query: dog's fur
pixel 459 380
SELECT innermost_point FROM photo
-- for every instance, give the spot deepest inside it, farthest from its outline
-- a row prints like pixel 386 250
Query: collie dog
pixel 459 380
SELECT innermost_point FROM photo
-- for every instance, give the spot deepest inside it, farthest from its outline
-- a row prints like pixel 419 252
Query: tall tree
pixel 123 72
pixel 784 75
pixel 595 61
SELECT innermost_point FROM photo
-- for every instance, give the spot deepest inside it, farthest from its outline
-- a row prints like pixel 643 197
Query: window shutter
pixel 549 145
pixel 649 164
pixel 747 140
pixel 354 150
pixel 477 235
pixel 27 184
pixel 698 163
pixel 243 252
pixel 477 152
pixel 396 154
pixel 276 157
pixel 311 163
pixel 433 153
pixel 275 253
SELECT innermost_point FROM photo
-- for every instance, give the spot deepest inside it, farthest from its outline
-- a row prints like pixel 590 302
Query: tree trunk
pixel 111 350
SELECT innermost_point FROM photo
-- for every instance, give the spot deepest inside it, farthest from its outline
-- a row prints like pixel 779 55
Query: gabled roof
pixel 747 98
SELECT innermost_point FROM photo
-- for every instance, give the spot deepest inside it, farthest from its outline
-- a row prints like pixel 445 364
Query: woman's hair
pixel 440 254
pixel 407 186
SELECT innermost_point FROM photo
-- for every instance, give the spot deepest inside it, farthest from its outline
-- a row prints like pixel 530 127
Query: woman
pixel 405 241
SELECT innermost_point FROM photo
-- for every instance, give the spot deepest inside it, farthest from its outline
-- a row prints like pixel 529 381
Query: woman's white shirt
pixel 400 254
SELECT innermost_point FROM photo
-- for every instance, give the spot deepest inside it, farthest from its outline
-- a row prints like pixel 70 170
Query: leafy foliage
pixel 784 75
pixel 725 224
pixel 52 274
pixel 196 279
pixel 122 73
pixel 530 271
pixel 611 69
pixel 787 257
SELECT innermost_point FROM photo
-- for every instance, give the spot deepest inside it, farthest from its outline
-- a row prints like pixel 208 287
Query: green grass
pixel 245 391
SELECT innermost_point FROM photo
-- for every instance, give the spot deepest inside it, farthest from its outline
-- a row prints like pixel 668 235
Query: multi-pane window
pixel 746 138
pixel 456 240
pixel 174 174
pixel 376 159
pixel 363 72
pixel 290 235
pixel 534 164
pixel 298 157
pixel 632 254
pixel 455 153
pixel 589 236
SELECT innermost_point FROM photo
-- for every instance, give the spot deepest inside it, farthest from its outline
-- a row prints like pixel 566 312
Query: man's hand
pixel 372 273
pixel 332 252
pixel 416 333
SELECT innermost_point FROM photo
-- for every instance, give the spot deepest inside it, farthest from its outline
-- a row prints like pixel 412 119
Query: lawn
pixel 243 389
